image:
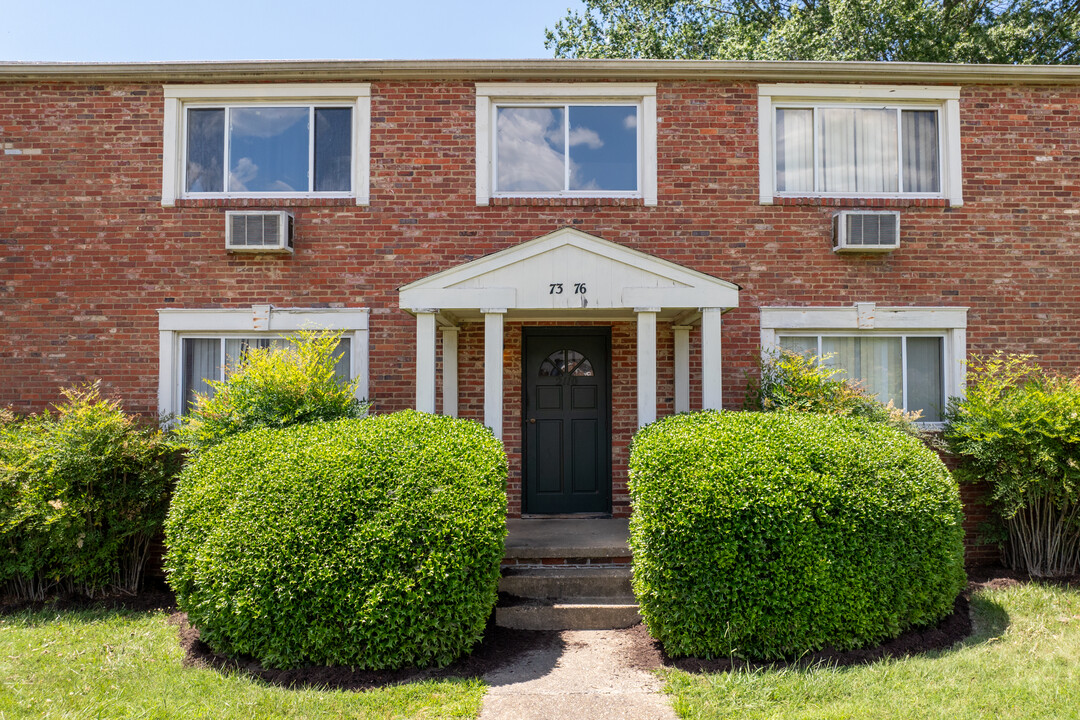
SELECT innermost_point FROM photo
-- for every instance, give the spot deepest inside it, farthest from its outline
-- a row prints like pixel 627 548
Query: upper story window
pixel 566 140
pixel 859 141
pixel 250 141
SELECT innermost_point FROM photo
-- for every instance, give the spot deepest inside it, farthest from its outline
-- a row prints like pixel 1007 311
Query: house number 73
pixel 557 289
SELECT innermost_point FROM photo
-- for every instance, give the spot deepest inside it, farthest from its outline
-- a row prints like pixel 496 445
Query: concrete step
pixel 567 584
pixel 583 615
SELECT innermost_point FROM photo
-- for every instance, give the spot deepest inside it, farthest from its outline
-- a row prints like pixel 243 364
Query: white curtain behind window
pixel 794 150
pixel 858 150
pixel 922 171
pixel 876 362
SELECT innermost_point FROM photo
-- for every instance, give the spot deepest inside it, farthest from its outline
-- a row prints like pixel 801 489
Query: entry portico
pixel 565 277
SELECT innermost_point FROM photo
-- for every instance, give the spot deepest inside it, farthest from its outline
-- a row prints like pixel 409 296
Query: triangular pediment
pixel 568 270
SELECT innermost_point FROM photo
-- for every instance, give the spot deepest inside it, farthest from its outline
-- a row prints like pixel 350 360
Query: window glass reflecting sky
pixel 139 31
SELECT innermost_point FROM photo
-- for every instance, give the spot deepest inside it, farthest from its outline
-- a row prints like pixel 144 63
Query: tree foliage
pixel 962 31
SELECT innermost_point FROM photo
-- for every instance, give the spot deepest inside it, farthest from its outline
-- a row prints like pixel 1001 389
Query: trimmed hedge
pixel 770 535
pixel 373 543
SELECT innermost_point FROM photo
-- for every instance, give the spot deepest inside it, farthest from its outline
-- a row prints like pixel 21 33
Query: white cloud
pixel 630 121
pixel 585 136
pixel 530 157
pixel 241 174
pixel 265 122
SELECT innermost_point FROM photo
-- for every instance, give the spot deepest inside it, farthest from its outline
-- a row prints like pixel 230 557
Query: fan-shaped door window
pixel 566 362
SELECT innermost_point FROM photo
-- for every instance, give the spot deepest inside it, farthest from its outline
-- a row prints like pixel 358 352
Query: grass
pixel 109 664
pixel 1023 661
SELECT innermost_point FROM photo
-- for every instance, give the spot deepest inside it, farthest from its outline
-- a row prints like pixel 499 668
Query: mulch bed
pixel 648 653
pixel 501 646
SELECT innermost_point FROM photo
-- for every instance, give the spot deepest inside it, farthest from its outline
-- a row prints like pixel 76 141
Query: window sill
pixel 566 202
pixel 232 202
pixel 857 202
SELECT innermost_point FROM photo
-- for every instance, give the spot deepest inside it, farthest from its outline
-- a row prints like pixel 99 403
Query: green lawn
pixel 1023 661
pixel 107 664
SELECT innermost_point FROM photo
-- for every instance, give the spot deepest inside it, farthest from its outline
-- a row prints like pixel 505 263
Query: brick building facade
pixel 706 233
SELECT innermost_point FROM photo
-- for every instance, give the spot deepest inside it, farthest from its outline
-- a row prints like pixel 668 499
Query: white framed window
pixel 566 140
pixel 913 356
pixel 863 141
pixel 266 141
pixel 196 346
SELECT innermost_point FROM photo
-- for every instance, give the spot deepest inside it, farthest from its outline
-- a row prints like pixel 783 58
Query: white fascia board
pixel 661 297
pixel 847 318
pixel 532 91
pixel 418 299
pixel 281 319
pixel 227 92
pixel 876 93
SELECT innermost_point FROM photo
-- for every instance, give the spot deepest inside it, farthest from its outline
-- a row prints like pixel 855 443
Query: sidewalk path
pixel 581 675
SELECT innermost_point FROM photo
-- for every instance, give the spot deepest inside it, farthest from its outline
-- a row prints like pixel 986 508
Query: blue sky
pixel 149 30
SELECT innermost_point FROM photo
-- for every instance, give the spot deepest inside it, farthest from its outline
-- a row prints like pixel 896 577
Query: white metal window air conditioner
pixel 261 231
pixel 862 231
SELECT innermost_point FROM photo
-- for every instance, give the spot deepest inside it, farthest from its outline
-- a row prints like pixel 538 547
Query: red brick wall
pixel 88 253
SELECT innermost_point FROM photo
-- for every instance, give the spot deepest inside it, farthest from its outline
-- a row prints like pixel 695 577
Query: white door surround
pixel 565 276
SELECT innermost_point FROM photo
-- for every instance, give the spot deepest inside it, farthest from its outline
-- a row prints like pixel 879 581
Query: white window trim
pixel 945 99
pixel 256 321
pixel 179 97
pixel 489 95
pixel 869 319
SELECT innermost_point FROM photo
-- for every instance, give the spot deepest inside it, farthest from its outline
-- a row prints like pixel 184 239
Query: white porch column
pixel 425 360
pixel 493 369
pixel 682 367
pixel 646 365
pixel 711 381
pixel 449 370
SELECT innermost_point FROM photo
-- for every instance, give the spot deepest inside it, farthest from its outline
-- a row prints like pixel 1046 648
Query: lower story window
pixel 205 359
pixel 197 346
pixel 913 356
pixel 906 370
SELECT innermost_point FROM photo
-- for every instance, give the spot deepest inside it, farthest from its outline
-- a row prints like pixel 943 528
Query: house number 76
pixel 557 289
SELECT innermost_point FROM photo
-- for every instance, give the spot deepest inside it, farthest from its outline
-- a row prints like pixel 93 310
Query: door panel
pixel 567 420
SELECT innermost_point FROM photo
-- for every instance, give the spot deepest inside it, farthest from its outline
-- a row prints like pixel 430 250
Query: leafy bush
pixel 374 543
pixel 82 495
pixel 1018 429
pixel 277 386
pixel 770 535
pixel 792 382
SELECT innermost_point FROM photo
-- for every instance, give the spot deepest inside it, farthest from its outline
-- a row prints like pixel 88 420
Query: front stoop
pixel 566 575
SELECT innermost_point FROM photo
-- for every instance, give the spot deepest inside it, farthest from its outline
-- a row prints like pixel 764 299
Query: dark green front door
pixel 567 420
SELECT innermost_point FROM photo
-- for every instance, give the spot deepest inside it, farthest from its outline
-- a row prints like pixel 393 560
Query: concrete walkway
pixel 582 675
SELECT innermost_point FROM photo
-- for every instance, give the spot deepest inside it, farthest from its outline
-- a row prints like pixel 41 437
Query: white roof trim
pixel 673 286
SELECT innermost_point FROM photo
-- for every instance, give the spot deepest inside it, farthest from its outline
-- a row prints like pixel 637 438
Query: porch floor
pixel 536 538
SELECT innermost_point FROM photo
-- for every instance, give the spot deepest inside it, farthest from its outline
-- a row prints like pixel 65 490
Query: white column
pixel 493 370
pixel 362 362
pixel 425 360
pixel 682 367
pixel 711 381
pixel 449 370
pixel 646 365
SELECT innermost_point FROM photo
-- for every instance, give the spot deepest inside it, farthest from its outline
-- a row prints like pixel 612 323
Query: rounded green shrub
pixel 373 543
pixel 768 535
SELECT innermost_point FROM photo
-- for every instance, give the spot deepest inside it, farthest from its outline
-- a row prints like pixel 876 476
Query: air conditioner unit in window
pixel 262 231
pixel 858 231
